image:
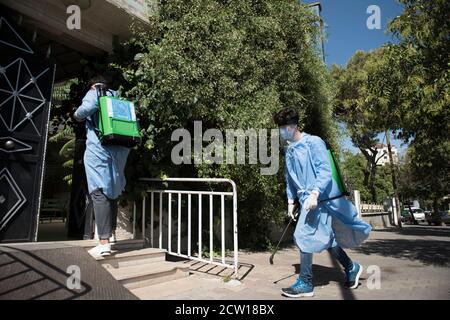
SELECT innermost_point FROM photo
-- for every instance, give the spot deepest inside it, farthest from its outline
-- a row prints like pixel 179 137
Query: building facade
pixel 382 156
pixel 43 42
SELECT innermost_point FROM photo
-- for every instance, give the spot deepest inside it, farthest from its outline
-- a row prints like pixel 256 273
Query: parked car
pixel 441 217
pixel 406 216
pixel 419 214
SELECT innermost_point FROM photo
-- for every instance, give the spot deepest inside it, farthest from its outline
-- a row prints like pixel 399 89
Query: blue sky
pixel 347 31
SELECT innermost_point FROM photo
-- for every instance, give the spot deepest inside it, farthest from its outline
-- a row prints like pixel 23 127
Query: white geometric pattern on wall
pixel 16 96
pixel 22 146
pixel 7 183
pixel 20 43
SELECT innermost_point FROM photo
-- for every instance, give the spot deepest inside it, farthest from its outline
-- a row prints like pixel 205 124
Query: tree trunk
pixel 412 215
pixel 435 205
pixel 394 180
pixel 435 212
pixel 370 172
pixel 366 175
pixel 372 187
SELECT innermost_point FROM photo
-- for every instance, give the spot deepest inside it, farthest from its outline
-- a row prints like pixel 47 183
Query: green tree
pixel 353 170
pixel 410 86
pixel 352 107
pixel 231 64
pixel 407 87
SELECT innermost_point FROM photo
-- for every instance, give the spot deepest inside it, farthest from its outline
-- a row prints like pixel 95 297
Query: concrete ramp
pixel 47 272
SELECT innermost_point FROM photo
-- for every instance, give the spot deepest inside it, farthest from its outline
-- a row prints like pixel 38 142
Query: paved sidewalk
pixel 414 264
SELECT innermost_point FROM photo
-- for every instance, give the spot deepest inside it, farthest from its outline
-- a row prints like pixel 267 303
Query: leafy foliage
pixel 353 170
pixel 231 64
pixel 419 103
pixel 354 107
pixel 61 129
pixel 405 87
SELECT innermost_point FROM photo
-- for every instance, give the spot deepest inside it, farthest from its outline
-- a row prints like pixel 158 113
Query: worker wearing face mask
pixel 327 220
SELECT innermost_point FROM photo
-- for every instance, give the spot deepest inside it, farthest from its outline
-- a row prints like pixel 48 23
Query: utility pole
pixel 317 7
pixel 394 181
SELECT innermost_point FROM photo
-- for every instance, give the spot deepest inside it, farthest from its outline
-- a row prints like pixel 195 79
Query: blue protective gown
pixel 333 222
pixel 104 165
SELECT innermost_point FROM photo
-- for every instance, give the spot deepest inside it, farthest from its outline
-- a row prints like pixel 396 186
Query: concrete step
pixel 126 244
pixel 138 276
pixel 174 288
pixel 120 259
pixel 87 244
pixel 119 245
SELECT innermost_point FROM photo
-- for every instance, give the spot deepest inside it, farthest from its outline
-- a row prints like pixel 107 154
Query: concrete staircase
pixel 138 269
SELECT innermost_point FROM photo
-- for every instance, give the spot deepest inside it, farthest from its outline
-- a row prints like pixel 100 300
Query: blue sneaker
pixel 299 289
pixel 353 276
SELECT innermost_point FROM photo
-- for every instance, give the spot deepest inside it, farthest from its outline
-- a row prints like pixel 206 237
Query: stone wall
pixel 377 220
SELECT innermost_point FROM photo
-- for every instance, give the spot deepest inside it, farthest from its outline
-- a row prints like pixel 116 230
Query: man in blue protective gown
pixel 104 165
pixel 327 221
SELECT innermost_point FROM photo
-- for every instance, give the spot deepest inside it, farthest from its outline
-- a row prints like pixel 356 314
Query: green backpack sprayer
pixel 117 123
pixel 336 175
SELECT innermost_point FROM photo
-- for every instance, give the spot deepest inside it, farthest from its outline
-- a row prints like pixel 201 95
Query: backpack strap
pixel 96 119
pixel 343 194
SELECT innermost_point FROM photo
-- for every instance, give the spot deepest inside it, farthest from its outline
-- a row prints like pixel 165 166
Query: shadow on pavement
pixel 420 231
pixel 429 252
pixel 322 275
pixel 214 270
pixel 27 272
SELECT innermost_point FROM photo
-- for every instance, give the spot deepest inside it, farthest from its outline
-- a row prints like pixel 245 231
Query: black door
pixel 26 82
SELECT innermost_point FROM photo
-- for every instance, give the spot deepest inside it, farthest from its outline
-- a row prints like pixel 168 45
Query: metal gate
pixel 188 213
pixel 26 83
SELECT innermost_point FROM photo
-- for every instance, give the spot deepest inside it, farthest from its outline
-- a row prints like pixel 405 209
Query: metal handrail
pixel 190 193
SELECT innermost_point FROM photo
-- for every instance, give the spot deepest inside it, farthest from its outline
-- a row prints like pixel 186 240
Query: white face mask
pixel 286 134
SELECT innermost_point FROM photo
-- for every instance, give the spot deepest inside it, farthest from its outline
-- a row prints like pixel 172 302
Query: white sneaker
pixel 113 239
pixel 100 251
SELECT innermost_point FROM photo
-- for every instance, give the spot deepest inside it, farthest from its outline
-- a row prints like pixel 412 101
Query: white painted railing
pixel 366 207
pixel 369 207
pixel 152 194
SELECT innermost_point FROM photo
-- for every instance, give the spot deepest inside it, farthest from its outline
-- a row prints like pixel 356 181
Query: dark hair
pixel 99 79
pixel 286 116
